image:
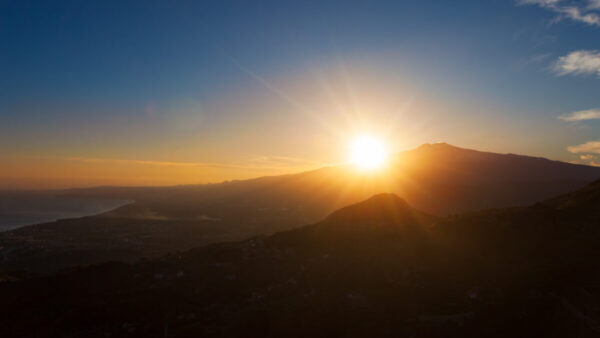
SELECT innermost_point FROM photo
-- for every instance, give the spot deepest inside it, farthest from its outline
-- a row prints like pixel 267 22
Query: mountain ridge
pixel 467 276
pixel 424 146
pixel 166 219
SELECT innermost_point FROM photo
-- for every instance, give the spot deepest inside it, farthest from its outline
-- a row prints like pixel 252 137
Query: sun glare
pixel 368 153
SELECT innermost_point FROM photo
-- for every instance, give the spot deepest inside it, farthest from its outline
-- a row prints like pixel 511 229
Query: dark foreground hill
pixel 378 269
pixel 437 178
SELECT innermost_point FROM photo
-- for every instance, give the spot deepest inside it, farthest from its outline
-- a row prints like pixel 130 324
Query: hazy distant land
pixel 21 208
pixel 438 179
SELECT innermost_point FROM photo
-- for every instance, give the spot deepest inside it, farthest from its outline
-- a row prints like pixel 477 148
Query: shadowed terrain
pixel 376 268
pixel 438 178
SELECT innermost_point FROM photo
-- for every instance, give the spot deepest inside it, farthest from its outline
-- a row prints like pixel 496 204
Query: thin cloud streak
pixel 576 11
pixel 594 4
pixel 588 147
pixel 581 115
pixel 255 163
pixel 587 150
pixel 581 62
pixel 590 160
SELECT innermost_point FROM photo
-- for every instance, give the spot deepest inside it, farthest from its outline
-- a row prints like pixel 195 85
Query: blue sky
pixel 224 82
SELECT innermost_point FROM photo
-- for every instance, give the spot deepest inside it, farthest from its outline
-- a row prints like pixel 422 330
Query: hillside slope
pixel 439 179
pixel 378 268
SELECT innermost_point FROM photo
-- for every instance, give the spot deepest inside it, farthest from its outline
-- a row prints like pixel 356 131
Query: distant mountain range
pixel 439 179
pixel 378 268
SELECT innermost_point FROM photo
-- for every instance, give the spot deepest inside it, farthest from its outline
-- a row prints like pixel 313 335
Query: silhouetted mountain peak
pixel 387 198
pixel 380 212
pixel 442 152
pixel 439 146
pixel 436 145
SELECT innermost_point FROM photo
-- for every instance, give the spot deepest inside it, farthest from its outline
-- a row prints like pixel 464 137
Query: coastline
pixel 14 216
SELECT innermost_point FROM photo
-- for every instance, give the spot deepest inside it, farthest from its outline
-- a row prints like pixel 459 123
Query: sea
pixel 22 208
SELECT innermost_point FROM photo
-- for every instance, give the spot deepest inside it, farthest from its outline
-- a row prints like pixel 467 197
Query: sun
pixel 368 153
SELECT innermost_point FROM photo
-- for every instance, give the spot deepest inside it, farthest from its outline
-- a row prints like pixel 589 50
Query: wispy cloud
pixel 588 153
pixel 591 147
pixel 594 4
pixel 581 115
pixel 525 62
pixel 581 62
pixel 282 161
pixel 144 162
pixel 539 2
pixel 252 163
pixel 581 11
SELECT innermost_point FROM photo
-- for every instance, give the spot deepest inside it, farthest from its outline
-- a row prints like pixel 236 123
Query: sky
pixel 175 92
